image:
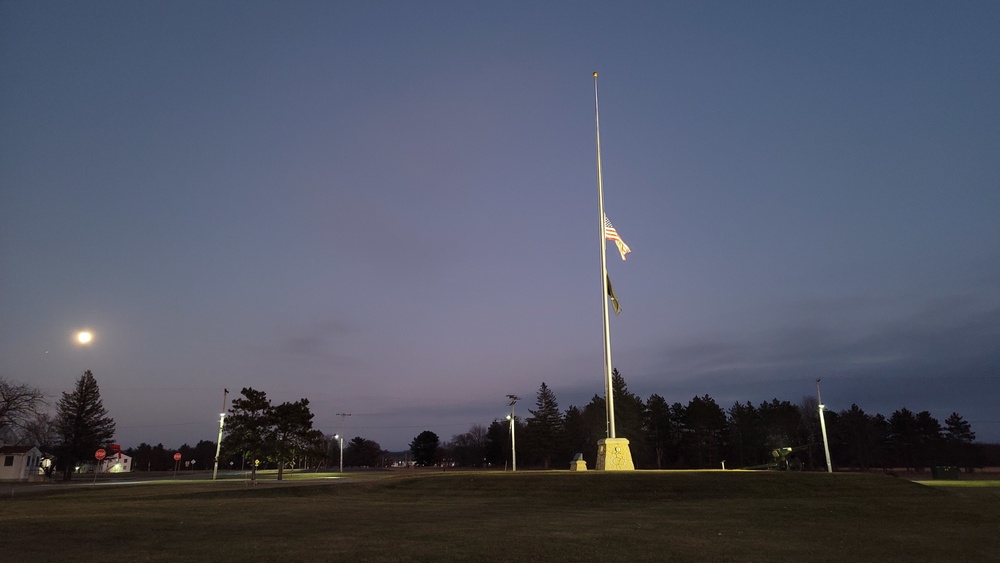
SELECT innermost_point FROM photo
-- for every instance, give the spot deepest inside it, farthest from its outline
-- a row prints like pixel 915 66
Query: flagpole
pixel 608 390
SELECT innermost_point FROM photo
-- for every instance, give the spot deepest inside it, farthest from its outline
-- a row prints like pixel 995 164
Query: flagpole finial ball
pixel 595 75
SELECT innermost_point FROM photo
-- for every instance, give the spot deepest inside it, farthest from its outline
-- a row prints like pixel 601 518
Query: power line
pixel 408 426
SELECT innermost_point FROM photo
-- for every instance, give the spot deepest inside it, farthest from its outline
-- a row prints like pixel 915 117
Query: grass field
pixel 524 516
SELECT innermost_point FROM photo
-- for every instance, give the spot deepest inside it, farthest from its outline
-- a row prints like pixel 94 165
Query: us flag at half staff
pixel 611 234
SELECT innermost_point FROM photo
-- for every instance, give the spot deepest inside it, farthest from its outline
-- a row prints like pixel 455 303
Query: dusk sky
pixel 391 208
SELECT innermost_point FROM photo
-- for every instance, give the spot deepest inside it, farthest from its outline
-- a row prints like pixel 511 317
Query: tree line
pixel 702 434
pixel 662 435
pixel 147 457
pixel 279 436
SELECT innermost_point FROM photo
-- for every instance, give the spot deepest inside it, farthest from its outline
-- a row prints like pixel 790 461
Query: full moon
pixel 84 337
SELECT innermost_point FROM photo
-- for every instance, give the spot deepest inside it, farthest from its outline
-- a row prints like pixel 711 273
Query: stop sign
pixel 99 454
pixel 177 456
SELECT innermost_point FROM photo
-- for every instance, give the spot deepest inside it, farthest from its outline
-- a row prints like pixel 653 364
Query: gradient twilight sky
pixel 390 208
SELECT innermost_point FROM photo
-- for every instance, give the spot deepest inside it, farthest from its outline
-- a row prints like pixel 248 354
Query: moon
pixel 84 337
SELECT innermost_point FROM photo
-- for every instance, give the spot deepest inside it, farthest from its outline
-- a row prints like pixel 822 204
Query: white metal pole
pixel 222 422
pixel 822 426
pixel 608 391
pixel 513 450
pixel 342 415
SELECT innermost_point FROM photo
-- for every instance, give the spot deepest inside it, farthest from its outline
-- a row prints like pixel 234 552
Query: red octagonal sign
pixel 177 456
pixel 99 454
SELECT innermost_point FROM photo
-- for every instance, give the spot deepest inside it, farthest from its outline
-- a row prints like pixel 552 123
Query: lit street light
pixel 222 423
pixel 342 416
pixel 822 425
pixel 340 439
pixel 218 445
pixel 513 451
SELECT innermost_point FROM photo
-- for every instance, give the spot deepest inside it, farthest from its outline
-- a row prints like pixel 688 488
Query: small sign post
pixel 177 461
pixel 98 455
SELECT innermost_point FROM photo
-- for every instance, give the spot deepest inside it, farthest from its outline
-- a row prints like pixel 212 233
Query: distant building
pixel 116 463
pixel 20 463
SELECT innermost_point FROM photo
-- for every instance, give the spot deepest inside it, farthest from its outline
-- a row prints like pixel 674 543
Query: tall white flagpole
pixel 608 390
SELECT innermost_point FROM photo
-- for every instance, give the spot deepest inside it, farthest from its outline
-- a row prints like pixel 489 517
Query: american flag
pixel 611 234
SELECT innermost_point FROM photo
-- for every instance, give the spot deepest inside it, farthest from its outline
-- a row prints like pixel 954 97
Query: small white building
pixel 116 463
pixel 19 463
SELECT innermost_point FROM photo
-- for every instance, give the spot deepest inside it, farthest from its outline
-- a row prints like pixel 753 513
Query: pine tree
pixel 705 428
pixel 361 452
pixel 629 415
pixel 293 432
pixel 958 430
pixel 853 438
pixel 497 446
pixel 424 448
pixel 903 438
pixel 958 440
pixel 928 439
pixel 248 425
pixel 545 427
pixel 661 429
pixel 746 435
pixel 82 424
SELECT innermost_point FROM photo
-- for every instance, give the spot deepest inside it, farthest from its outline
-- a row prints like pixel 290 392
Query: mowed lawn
pixel 523 516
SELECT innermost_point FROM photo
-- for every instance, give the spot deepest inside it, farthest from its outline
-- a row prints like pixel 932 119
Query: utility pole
pixel 822 426
pixel 513 450
pixel 342 416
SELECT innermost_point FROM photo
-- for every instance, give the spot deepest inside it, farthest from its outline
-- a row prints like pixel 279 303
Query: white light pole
pixel 822 425
pixel 340 439
pixel 218 446
pixel 222 422
pixel 342 416
pixel 513 450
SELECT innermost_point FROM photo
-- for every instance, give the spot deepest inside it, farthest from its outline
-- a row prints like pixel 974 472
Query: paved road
pixel 265 478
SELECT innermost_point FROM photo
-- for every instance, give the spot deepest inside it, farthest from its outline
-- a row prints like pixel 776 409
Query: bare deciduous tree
pixel 20 405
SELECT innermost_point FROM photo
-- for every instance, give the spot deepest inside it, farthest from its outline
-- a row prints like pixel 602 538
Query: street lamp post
pixel 513 450
pixel 342 415
pixel 340 439
pixel 218 446
pixel 222 423
pixel 822 426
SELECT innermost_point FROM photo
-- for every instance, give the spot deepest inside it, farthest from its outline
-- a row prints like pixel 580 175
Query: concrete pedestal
pixel 613 454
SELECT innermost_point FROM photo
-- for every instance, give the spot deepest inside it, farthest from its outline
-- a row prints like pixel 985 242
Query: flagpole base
pixel 613 454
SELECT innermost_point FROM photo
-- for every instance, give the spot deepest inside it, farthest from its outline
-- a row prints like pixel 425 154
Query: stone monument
pixel 613 454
